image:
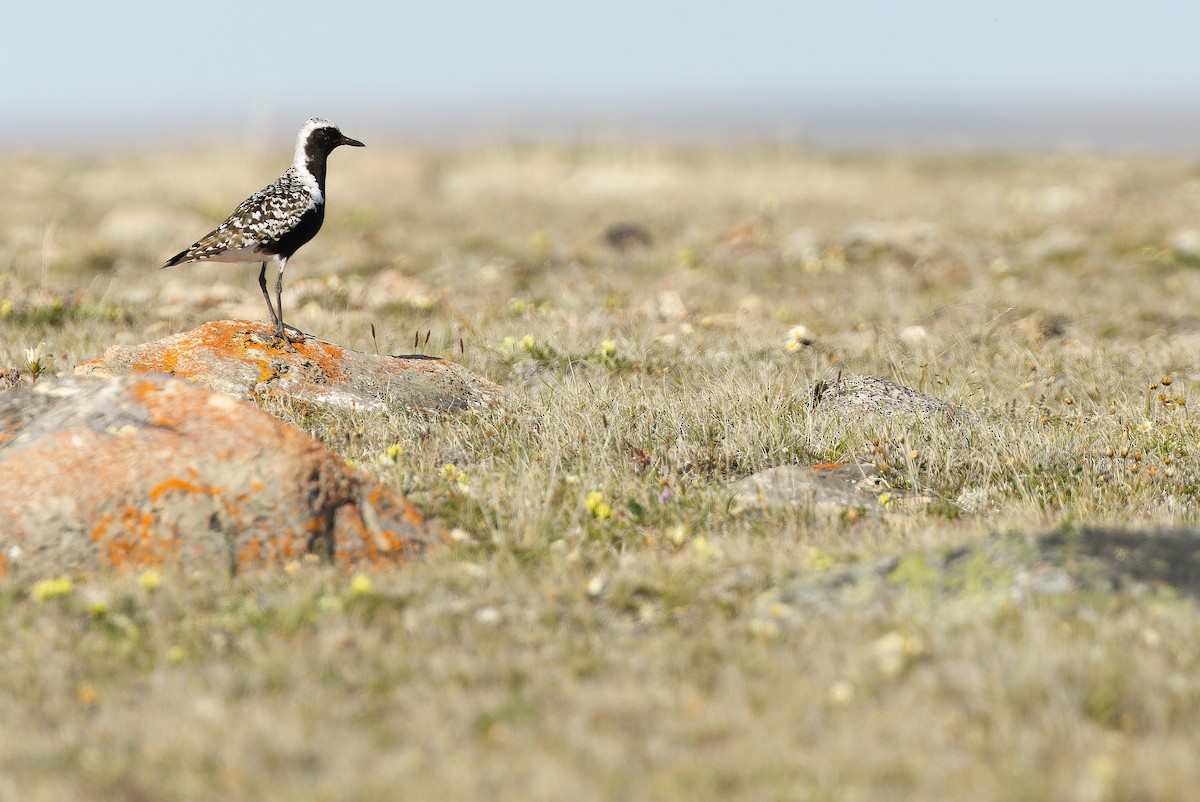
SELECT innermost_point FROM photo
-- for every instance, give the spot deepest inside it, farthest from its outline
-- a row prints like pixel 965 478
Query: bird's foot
pixel 282 337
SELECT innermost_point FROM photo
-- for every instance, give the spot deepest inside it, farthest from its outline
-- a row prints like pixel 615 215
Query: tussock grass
pixel 595 634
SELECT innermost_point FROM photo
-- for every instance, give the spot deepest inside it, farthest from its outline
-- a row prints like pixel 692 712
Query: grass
pixel 569 649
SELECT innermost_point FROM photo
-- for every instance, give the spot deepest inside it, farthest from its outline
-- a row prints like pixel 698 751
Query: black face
pixel 327 138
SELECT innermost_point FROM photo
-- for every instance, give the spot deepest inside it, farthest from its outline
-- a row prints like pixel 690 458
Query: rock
pixel 801 245
pixel 826 491
pixel 628 236
pixel 393 288
pixel 1185 241
pixel 669 305
pixel 1038 326
pixel 1057 200
pixel 914 336
pixel 241 358
pixel 1055 244
pixel 739 236
pixel 999 571
pixel 145 471
pixel 863 397
pixel 913 238
pixel 975 500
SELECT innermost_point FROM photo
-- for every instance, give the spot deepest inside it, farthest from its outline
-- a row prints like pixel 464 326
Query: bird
pixel 276 221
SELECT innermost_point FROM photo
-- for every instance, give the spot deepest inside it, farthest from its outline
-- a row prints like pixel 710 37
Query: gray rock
pixel 826 492
pixel 1056 243
pixel 859 397
pixel 912 238
pixel 1003 569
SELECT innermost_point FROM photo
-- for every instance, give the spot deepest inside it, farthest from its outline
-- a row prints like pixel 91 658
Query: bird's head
pixel 318 138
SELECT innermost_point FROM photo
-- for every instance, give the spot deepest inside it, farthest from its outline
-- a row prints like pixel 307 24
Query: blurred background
pixel 925 73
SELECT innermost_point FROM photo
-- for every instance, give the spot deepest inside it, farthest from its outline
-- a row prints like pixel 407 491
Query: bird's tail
pixel 176 259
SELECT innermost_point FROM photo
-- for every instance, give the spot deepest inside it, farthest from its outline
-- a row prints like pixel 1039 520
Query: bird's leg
pixel 279 301
pixel 262 282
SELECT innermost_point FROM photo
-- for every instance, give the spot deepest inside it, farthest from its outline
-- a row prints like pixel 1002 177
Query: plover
pixel 275 221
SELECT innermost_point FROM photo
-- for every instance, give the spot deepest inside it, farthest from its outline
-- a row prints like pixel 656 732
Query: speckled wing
pixel 252 228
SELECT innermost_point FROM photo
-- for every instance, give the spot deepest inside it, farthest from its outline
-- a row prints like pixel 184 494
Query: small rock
pixel 827 490
pixel 801 245
pixel 146 471
pixel 912 238
pixel 670 306
pixel 628 236
pixel 1055 244
pixel 974 500
pixel 1057 200
pixel 740 236
pixel 1186 241
pixel 243 358
pixel 1038 326
pixel 391 287
pixel 857 397
pixel 913 336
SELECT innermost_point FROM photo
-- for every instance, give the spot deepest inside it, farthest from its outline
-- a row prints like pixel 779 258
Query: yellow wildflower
pixel 392 454
pixel 150 579
pixel 455 476
pixel 52 588
pixel 361 585
pixel 704 549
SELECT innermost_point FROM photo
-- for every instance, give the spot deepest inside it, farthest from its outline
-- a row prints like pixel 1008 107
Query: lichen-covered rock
pixel 998 571
pixel 242 358
pixel 148 470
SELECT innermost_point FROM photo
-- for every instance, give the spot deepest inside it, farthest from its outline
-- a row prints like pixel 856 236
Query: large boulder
pixel 147 470
pixel 243 358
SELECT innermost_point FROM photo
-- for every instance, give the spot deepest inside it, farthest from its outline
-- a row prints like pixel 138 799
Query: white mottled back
pixel 293 202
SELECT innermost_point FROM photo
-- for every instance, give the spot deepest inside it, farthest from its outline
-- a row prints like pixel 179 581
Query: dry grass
pixel 561 654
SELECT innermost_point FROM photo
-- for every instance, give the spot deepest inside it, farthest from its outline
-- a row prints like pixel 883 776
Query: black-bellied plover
pixel 275 221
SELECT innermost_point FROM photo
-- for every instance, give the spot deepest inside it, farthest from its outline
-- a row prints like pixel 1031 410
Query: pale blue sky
pixel 130 70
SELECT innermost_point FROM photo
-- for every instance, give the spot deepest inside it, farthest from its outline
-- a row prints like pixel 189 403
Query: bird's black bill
pixel 354 143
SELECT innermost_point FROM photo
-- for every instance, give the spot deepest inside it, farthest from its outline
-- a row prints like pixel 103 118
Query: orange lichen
pixel 250 552
pixel 134 544
pixel 275 550
pixel 242 341
pixel 166 486
pixel 826 466
pixel 101 528
pixel 412 515
pixel 146 500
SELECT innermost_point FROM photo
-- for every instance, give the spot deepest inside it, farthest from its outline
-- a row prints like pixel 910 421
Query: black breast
pixel 304 230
